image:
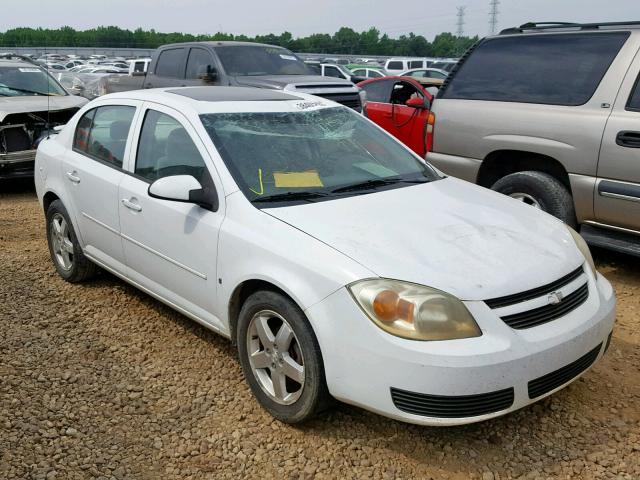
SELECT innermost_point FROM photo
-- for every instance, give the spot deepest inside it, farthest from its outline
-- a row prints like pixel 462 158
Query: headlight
pixel 413 311
pixel 584 249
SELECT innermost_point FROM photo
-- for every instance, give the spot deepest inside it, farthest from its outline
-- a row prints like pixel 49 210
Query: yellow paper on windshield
pixel 307 179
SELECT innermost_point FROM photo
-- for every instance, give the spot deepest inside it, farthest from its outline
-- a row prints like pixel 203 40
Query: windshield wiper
pixel 375 183
pixel 15 89
pixel 290 196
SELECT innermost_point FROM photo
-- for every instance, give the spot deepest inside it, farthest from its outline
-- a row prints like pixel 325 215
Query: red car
pixel 401 105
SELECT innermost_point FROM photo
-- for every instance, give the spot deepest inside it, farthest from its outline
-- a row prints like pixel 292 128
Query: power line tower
pixel 460 22
pixel 493 16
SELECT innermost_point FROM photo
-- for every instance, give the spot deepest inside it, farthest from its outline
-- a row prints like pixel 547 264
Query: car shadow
pixel 17 186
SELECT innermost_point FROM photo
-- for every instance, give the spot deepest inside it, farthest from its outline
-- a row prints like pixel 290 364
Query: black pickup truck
pixel 234 63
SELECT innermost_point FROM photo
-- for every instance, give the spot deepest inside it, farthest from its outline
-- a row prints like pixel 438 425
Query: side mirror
pixel 211 75
pixel 184 188
pixel 418 102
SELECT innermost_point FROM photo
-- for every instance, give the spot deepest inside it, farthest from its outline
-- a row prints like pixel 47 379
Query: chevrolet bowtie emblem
pixel 554 298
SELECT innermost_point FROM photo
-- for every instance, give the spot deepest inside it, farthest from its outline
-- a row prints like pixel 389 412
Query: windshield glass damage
pixel 311 155
pixel 27 81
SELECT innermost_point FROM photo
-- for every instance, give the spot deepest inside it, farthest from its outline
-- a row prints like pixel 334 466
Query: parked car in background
pixel 32 103
pixel 562 136
pixel 338 262
pixel 337 61
pixel 235 64
pixel 446 65
pixel 426 73
pixel 401 106
pixel 397 65
pixel 334 70
pixel 367 71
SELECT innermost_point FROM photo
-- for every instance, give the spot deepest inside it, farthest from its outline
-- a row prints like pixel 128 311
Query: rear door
pixel 169 69
pixel 617 194
pixel 94 170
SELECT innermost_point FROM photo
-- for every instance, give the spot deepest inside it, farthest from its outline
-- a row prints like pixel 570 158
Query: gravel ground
pixel 101 381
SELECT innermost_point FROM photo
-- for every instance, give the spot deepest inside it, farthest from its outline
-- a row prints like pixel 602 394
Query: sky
pixel 304 17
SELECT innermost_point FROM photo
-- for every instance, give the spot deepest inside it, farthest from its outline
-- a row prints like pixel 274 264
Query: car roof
pixel 213 99
pixel 224 44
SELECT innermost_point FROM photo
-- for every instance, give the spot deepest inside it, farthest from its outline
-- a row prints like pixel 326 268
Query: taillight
pixel 431 124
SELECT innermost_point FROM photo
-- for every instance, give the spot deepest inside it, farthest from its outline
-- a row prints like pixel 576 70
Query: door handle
pixel 131 206
pixel 628 138
pixel 73 177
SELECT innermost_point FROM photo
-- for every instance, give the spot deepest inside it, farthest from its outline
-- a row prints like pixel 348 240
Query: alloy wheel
pixel 275 357
pixel 62 245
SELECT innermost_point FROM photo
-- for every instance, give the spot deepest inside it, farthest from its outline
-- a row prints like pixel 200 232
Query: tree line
pixel 344 41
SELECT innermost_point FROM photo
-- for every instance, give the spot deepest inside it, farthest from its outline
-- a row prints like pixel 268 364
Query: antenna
pixel 493 16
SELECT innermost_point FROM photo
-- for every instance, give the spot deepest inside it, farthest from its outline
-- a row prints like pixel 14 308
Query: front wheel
pixel 539 190
pixel 281 358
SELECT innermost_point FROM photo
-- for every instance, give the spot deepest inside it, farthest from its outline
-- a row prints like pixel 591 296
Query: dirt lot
pixel 101 381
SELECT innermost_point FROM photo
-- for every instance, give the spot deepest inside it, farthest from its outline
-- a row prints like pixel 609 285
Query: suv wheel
pixel 64 248
pixel 281 358
pixel 540 190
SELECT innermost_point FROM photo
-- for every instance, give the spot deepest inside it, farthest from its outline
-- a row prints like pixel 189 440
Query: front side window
pixel 553 69
pixel 403 91
pixel 360 72
pixel 415 64
pixel 395 66
pixel 375 74
pixel 165 148
pixel 634 98
pixel 332 72
pixel 260 60
pixel 170 63
pixel 102 133
pixel 28 80
pixel 328 152
pixel 378 91
pixel 199 64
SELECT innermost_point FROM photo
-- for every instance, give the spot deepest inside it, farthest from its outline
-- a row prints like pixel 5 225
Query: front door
pixel 93 170
pixel 617 193
pixel 171 247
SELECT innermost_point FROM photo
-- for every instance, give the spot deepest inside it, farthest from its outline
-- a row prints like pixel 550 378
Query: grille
pixel 541 315
pixel 553 380
pixel 535 292
pixel 348 100
pixel 452 407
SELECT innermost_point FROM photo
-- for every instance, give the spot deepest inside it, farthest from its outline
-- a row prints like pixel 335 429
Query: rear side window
pixel 332 72
pixel 415 64
pixel 102 133
pixel 554 69
pixel 395 65
pixel 170 63
pixel 634 99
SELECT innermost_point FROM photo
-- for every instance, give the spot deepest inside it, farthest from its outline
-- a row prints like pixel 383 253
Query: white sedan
pixel 339 263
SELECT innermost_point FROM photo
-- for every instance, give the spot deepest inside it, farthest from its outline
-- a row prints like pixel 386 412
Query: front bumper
pixel 17 164
pixel 363 363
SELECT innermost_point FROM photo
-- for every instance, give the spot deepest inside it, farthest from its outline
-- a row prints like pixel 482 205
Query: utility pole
pixel 493 16
pixel 460 22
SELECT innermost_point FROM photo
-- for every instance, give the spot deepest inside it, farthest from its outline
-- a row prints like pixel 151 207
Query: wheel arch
pixel 48 199
pixel 500 163
pixel 242 291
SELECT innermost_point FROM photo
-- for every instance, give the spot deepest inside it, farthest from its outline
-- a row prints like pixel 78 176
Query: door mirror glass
pixel 416 102
pixel 183 188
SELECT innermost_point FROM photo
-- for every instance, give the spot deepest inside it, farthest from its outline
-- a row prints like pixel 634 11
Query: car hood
pixel 303 82
pixel 36 103
pixel 447 234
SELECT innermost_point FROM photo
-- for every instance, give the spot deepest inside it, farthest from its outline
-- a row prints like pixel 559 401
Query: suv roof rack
pixel 13 56
pixel 543 26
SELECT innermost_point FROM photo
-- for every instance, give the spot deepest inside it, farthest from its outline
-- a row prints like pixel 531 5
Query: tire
pixel 295 402
pixel 70 262
pixel 544 189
